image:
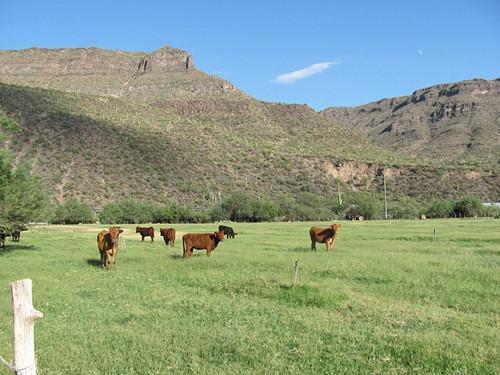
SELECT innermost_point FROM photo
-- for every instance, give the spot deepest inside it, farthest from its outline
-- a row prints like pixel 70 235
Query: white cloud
pixel 303 73
pixel 420 52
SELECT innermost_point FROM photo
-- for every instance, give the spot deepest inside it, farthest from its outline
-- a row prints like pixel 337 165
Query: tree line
pixel 23 200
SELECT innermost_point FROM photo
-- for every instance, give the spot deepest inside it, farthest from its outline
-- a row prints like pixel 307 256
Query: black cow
pixel 228 231
pixel 16 235
pixel 2 239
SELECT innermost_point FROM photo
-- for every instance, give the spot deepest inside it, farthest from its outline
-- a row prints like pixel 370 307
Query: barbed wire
pixel 7 364
pixel 17 371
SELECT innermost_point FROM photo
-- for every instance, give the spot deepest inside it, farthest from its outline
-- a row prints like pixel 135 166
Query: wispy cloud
pixel 306 72
pixel 420 52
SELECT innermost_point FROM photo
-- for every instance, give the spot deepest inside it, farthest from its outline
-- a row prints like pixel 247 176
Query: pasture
pixel 389 299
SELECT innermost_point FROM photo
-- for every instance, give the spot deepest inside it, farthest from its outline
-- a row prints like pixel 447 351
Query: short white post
pixel 24 324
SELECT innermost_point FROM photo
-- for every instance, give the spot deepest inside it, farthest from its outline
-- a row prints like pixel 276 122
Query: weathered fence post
pixel 295 272
pixel 24 324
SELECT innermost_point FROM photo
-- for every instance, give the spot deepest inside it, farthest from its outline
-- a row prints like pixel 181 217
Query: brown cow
pixel 168 235
pixel 208 241
pixel 324 235
pixel 146 232
pixel 107 242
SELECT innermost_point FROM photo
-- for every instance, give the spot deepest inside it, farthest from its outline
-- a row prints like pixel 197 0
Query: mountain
pixel 448 122
pixel 103 125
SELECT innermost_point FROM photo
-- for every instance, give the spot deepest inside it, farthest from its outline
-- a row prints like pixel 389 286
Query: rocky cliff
pixel 456 121
pixel 164 73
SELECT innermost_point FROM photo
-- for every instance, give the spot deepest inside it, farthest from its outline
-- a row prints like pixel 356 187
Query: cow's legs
pixel 103 262
pixel 142 238
pixel 313 245
pixel 172 243
pixel 208 252
pixel 115 254
pixel 333 244
pixel 152 238
pixel 108 259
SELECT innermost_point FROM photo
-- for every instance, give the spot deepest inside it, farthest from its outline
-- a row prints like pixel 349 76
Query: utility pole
pixel 385 196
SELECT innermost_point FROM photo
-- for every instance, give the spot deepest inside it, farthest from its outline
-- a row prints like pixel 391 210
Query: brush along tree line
pixel 23 200
pixel 245 208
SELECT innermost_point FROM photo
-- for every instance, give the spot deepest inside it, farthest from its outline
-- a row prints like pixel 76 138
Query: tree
pixel 440 209
pixel 21 193
pixel 73 212
pixel 468 206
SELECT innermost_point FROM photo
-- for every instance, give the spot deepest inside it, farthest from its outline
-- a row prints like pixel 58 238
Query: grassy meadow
pixel 390 299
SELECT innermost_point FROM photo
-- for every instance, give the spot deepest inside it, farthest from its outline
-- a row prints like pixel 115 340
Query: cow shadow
pixel 299 250
pixel 94 262
pixel 16 247
pixel 195 255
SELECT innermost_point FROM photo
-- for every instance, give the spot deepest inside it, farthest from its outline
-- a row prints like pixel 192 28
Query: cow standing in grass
pixel 146 232
pixel 205 241
pixel 168 235
pixel 324 235
pixel 228 231
pixel 107 243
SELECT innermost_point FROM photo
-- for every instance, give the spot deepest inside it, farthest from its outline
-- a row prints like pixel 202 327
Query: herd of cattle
pixel 14 233
pixel 107 240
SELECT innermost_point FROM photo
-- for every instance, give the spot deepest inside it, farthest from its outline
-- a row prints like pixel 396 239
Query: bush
pixel 440 209
pixel 73 212
pixel 131 212
pixel 468 207
pixel 404 208
pixel 368 205
pixel 127 212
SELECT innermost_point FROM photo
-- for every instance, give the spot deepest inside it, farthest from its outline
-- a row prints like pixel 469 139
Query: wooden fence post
pixel 295 273
pixel 24 324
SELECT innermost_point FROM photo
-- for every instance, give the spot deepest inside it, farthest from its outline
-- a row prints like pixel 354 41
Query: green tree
pixel 73 212
pixel 21 193
pixel 440 209
pixel 468 206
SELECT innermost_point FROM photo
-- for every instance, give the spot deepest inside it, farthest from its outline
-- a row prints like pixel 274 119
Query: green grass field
pixel 390 299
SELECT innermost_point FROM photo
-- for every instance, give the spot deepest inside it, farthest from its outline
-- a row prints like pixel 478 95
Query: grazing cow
pixel 207 241
pixel 107 243
pixel 228 231
pixel 324 235
pixel 168 235
pixel 146 232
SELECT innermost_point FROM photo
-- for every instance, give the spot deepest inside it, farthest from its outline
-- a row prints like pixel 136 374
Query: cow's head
pixel 136 229
pixel 219 236
pixel 114 233
pixel 335 227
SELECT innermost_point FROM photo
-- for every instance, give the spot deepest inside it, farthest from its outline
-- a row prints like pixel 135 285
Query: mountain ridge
pixel 451 121
pixel 129 130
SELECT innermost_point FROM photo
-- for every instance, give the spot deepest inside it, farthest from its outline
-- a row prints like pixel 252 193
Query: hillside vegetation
pixel 457 122
pixel 102 126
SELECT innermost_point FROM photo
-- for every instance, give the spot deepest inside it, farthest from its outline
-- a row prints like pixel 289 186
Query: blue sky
pixel 338 52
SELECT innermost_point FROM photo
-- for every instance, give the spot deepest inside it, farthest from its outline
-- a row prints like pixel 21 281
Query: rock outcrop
pixel 166 59
pixel 457 121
